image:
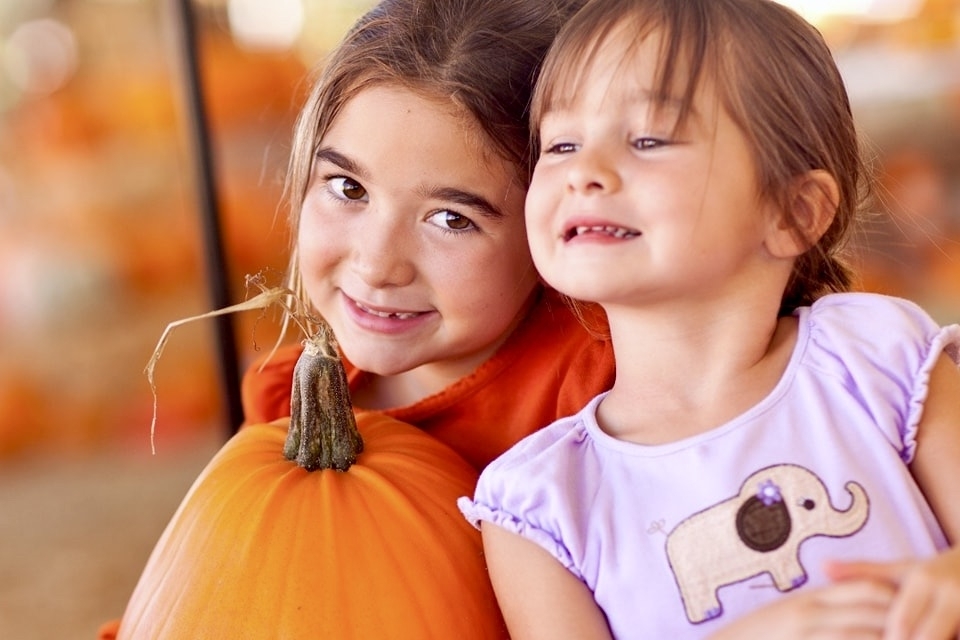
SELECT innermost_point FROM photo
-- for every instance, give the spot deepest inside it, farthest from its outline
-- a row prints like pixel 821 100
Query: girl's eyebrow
pixel 342 161
pixel 468 199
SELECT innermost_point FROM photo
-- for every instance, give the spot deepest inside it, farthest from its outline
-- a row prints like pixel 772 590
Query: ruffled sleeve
pixel 882 349
pixel 476 512
pixel 527 490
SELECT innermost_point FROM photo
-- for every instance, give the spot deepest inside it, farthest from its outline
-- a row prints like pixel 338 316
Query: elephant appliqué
pixel 758 531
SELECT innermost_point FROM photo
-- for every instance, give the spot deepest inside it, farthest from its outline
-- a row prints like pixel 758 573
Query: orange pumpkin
pixel 263 547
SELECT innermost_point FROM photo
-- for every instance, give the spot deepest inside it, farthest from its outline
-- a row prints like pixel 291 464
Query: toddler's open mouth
pixel 608 230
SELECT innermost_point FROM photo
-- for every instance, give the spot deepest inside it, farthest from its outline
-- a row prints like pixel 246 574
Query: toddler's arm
pixel 539 598
pixel 927 604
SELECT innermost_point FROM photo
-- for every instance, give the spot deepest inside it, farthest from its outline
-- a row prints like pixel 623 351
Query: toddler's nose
pixel 592 170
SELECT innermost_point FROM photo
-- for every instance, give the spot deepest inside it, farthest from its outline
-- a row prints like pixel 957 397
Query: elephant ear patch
pixel 762 524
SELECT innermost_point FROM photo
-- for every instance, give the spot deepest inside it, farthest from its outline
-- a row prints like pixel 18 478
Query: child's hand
pixel 849 610
pixel 927 602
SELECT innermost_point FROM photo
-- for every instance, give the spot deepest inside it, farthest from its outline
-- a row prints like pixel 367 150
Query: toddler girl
pixel 698 177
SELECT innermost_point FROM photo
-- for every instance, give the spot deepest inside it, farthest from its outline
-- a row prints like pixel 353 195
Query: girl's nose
pixel 383 252
pixel 593 170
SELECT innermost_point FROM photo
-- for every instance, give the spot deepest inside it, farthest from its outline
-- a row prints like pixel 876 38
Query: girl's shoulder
pixel 881 309
pixel 874 325
pixel 870 330
pixel 881 351
pixel 534 487
pixel 551 450
pixel 543 458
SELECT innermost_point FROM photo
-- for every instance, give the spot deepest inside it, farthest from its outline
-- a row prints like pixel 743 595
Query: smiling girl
pixel 699 174
pixel 406 189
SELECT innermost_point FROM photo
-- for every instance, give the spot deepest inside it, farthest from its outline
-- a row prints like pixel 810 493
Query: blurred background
pixel 102 245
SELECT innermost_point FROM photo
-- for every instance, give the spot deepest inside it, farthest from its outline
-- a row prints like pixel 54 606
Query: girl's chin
pixel 379 363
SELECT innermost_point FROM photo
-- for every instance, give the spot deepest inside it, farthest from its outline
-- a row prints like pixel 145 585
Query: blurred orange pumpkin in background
pixel 100 239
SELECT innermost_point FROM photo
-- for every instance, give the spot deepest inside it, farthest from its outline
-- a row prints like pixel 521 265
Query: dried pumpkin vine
pixel 323 432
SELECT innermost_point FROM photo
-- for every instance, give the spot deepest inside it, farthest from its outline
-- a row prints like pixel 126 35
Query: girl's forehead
pixel 633 62
pixel 439 118
pixel 619 68
pixel 621 58
pixel 389 94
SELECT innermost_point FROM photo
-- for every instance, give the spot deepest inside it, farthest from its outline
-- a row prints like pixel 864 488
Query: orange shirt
pixel 550 367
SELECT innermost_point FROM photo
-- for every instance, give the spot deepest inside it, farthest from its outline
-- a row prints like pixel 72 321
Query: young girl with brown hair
pixel 698 177
pixel 406 191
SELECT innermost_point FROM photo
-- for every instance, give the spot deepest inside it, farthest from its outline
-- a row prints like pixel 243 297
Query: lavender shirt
pixel 677 540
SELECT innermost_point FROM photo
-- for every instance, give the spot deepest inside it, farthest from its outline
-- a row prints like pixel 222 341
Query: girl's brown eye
pixel 455 221
pixel 353 190
pixel 345 189
pixel 451 221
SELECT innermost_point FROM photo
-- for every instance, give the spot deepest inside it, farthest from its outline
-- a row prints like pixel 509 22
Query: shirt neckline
pixel 589 413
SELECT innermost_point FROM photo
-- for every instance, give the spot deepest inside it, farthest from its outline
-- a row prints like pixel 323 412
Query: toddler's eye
pixel 560 147
pixel 451 221
pixel 347 188
pixel 648 143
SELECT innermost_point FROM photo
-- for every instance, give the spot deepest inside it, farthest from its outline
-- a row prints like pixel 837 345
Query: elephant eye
pixel 808 504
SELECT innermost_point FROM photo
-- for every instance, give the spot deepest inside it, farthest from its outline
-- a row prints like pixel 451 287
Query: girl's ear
pixel 813 202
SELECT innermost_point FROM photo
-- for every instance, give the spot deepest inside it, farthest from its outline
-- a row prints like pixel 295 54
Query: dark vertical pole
pixel 216 264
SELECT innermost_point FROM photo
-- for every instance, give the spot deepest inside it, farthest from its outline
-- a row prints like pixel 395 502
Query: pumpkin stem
pixel 323 432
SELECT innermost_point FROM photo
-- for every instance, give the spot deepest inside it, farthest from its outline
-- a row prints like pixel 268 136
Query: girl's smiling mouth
pixel 608 230
pixel 385 321
pixel 394 315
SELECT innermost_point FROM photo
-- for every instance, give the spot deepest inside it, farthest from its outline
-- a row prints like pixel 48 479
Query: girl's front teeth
pixel 385 314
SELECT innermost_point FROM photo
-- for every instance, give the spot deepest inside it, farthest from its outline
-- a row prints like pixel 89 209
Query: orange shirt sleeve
pixel 265 388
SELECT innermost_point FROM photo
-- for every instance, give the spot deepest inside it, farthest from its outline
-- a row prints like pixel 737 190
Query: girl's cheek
pixel 314 249
pixel 534 213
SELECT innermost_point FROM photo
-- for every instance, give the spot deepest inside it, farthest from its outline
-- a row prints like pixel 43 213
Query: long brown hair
pixel 776 78
pixel 481 55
